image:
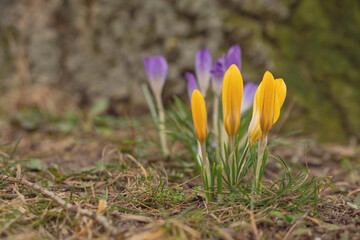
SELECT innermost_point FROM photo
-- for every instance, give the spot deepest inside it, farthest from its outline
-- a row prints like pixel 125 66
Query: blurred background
pixel 66 54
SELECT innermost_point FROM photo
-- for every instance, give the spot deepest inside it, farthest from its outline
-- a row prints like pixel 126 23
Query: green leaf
pixel 352 205
pixel 150 102
pixel 288 218
pixel 35 164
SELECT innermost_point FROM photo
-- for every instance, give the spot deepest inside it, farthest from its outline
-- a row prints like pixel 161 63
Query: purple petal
pixel 234 57
pixel 217 75
pixel 156 69
pixel 218 69
pixel 248 96
pixel 202 69
pixel 191 83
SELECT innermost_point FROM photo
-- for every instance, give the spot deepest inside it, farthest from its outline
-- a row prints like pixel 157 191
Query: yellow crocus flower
pixel 268 101
pixel 198 111
pixel 232 92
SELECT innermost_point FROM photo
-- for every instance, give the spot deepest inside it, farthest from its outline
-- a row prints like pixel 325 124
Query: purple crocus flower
pixel 156 69
pixel 222 64
pixel 248 96
pixel 233 57
pixel 202 68
pixel 191 83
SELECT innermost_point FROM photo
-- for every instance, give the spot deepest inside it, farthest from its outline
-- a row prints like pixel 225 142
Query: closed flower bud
pixel 198 111
pixel 232 92
pixel 269 98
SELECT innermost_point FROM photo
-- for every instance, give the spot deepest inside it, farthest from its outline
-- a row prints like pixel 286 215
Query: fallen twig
pixel 68 206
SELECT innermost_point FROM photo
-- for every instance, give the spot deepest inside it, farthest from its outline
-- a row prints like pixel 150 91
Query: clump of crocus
pixel 268 101
pixel 156 69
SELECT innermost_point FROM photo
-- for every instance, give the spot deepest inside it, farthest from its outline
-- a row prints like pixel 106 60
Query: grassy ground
pixel 112 166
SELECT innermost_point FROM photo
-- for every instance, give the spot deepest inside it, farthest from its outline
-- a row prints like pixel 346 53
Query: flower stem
pixel 261 150
pixel 223 139
pixel 206 171
pixel 216 125
pixel 161 126
pixel 232 144
pixel 246 150
pixel 205 163
pixel 231 159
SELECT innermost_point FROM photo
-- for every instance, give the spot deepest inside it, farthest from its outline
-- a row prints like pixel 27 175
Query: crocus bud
pixel 269 98
pixel 232 92
pixel 202 69
pixel 156 69
pixel 191 83
pixel 198 111
pixel 234 56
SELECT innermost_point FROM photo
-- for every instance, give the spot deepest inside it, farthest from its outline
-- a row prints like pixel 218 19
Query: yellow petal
pixel 198 110
pixel 254 131
pixel 280 94
pixel 232 92
pixel 266 102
